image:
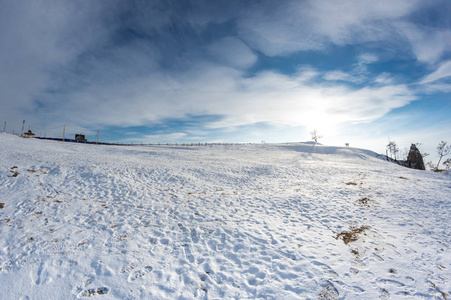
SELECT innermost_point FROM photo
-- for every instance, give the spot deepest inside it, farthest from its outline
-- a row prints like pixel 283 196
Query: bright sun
pixel 325 124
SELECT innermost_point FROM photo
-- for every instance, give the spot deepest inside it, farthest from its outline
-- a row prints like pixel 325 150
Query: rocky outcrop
pixel 415 159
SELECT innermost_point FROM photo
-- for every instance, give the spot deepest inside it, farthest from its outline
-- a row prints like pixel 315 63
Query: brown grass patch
pixel 364 202
pixel 353 235
pixel 15 173
pixel 351 183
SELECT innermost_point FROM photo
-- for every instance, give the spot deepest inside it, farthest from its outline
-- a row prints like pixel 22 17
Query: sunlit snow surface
pixel 221 222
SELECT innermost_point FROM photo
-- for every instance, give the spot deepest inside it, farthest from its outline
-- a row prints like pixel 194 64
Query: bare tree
pixel 315 135
pixel 447 163
pixel 388 148
pixel 430 165
pixel 393 149
pixel 442 150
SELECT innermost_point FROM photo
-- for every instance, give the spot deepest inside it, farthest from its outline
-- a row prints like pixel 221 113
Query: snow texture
pixel 272 221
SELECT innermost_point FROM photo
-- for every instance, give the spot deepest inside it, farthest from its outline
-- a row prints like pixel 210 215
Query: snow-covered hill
pixel 285 221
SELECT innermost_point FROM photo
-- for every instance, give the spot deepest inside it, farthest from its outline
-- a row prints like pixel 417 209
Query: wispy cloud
pixel 443 71
pixel 291 26
pixel 338 75
pixel 232 52
pixel 427 44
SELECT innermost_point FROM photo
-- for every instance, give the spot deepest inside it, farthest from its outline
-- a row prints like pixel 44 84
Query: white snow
pixel 223 222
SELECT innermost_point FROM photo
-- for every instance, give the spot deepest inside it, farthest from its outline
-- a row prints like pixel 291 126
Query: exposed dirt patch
pixel 351 183
pixel 2 205
pixel 15 173
pixel 392 271
pixel 353 235
pixel 34 171
pixel 365 202
pixel 401 177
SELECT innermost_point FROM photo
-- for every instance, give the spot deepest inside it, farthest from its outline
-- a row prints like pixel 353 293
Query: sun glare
pixel 325 124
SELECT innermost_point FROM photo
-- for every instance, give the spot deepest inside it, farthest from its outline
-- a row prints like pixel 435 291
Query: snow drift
pixel 273 221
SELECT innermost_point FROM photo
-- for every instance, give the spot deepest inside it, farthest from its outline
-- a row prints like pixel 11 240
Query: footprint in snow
pixel 93 292
pixel 329 292
pixel 41 275
pixel 384 294
pixel 127 269
pixel 140 273
pixel 188 254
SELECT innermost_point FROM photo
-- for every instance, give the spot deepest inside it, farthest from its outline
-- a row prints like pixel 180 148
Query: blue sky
pixel 358 71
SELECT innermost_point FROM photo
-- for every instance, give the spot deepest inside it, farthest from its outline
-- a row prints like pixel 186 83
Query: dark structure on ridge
pixel 415 159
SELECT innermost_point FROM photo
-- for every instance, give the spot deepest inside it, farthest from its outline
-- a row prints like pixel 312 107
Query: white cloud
pixel 164 138
pixel 368 58
pixel 442 72
pixel 338 75
pixel 428 44
pixel 38 38
pixel 292 26
pixel 384 78
pixel 233 52
pixel 130 88
pixel 268 97
pixel 434 88
pixel 359 72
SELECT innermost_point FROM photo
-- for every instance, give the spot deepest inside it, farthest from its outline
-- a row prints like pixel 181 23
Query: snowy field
pixel 273 221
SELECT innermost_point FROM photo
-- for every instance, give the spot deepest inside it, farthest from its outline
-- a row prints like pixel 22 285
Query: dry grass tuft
pixel 353 235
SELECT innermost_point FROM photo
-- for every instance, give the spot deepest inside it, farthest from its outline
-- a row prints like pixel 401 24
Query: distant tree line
pixel 443 150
